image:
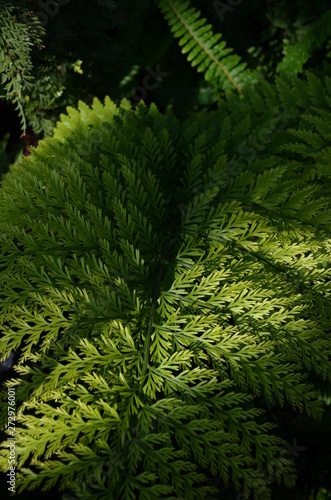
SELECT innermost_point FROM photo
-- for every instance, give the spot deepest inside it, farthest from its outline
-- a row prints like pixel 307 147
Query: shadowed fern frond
pixel 298 55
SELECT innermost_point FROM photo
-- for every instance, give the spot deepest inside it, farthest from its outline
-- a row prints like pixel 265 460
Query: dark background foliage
pixel 89 48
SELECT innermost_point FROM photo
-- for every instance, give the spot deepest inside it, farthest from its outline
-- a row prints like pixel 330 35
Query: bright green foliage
pixel 204 50
pixel 160 279
pixel 297 55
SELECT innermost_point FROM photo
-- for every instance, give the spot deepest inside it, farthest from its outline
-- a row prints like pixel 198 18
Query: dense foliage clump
pixel 162 282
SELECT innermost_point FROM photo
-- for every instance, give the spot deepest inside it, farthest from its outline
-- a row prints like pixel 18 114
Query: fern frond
pixel 205 50
pixel 16 41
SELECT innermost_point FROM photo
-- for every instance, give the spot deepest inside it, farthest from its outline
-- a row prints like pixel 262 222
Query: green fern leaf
pixel 205 50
